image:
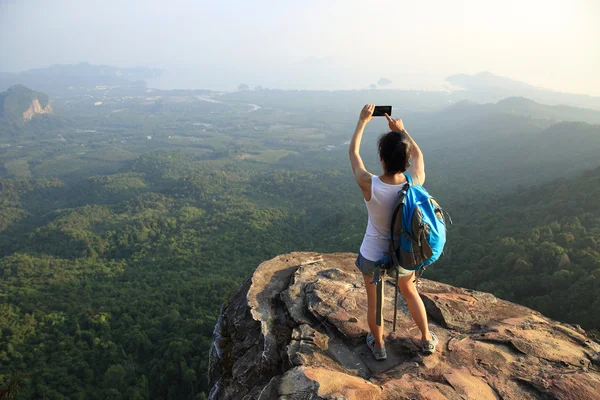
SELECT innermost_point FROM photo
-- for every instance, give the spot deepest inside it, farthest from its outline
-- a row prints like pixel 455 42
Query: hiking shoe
pixel 429 345
pixel 380 354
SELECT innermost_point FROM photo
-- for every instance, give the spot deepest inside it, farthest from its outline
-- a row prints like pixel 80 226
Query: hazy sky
pixel 313 44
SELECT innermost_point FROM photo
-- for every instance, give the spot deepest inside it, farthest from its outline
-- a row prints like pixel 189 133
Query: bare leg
pixel 416 308
pixel 376 331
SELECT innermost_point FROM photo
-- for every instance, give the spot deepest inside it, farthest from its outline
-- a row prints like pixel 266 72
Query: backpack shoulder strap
pixel 408 178
pixel 396 217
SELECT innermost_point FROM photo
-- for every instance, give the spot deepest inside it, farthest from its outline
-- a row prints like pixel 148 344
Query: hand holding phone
pixel 380 111
pixel 366 114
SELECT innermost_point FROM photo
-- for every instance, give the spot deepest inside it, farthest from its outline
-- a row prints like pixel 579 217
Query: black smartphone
pixel 380 111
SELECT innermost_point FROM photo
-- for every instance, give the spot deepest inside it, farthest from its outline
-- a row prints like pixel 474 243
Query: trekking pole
pixel 379 316
pixel 379 313
pixel 395 300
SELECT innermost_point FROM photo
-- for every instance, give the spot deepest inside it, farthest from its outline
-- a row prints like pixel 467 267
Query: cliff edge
pixel 296 330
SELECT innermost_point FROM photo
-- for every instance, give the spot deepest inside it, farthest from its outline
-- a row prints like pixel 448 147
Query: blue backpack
pixel 416 239
pixel 422 229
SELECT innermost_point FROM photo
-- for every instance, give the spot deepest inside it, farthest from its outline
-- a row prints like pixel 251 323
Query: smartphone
pixel 380 111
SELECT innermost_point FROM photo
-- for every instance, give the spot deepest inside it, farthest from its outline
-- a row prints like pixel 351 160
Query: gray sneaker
pixel 380 354
pixel 429 345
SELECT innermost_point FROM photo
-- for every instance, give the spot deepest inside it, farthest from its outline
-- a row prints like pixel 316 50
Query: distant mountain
pixel 495 152
pixel 487 87
pixel 521 106
pixel 20 108
pixel 57 78
pixel 470 143
pixel 85 69
pixel 487 80
pixel 19 105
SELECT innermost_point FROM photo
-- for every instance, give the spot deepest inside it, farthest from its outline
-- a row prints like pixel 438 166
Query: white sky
pixel 313 44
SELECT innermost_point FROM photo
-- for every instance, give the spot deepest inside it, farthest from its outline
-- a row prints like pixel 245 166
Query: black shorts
pixel 367 267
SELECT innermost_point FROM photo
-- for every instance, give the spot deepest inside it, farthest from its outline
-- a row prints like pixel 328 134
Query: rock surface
pixel 35 109
pixel 295 330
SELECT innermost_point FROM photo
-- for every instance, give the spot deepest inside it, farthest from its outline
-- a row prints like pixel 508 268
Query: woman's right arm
pixel 416 155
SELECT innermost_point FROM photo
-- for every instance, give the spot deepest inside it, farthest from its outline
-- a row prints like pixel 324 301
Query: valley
pixel 128 215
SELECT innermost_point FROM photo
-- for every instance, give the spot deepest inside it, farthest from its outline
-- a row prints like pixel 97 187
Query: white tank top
pixel 380 208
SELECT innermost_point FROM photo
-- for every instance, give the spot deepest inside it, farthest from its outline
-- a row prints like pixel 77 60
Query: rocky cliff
pixel 296 328
pixel 35 109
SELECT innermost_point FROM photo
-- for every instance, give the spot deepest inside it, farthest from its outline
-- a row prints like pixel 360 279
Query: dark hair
pixel 394 150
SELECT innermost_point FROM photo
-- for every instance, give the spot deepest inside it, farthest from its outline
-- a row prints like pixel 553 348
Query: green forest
pixel 116 283
pixel 539 247
pixel 118 251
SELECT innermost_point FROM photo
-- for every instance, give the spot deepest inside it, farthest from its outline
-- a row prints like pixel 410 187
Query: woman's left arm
pixel 363 177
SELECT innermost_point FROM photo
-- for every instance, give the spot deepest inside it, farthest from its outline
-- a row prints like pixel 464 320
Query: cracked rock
pixel 295 330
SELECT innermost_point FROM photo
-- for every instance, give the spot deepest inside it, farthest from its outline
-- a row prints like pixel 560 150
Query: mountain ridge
pixel 58 78
pixel 525 106
pixel 488 87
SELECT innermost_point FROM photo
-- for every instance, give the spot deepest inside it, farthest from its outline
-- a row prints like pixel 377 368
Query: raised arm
pixel 416 155
pixel 363 177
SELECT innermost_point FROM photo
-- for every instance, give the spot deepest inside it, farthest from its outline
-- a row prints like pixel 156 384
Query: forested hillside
pixel 113 285
pixel 17 99
pixel 539 247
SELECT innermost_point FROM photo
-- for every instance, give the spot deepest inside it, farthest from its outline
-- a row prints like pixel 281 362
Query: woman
pixel 396 150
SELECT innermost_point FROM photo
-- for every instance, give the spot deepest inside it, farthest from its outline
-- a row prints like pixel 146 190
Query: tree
pixel 242 86
pixel 373 86
pixel 115 377
pixel 384 81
